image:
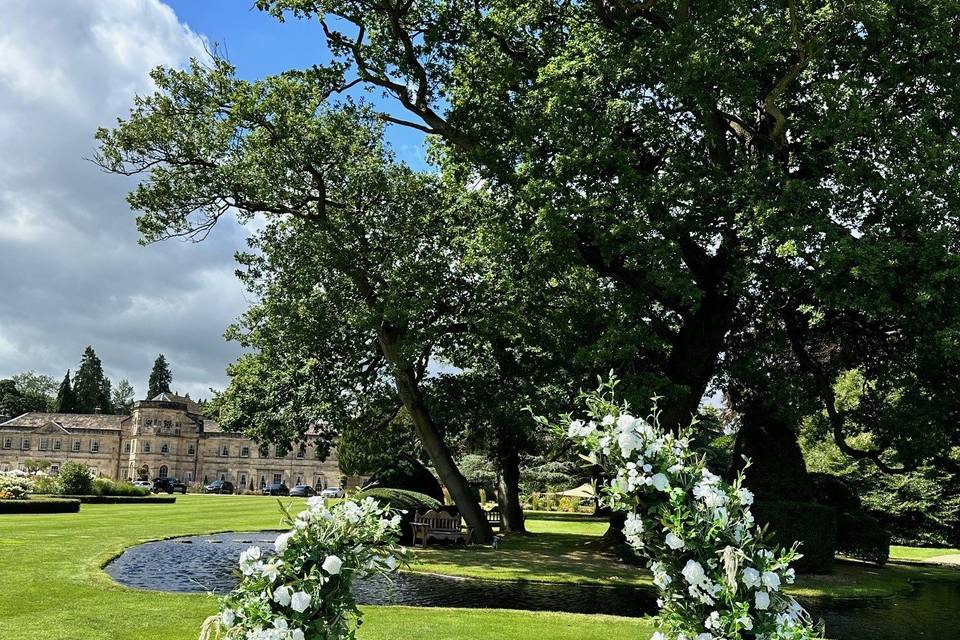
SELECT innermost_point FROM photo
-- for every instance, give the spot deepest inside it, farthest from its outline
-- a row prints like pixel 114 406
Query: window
pixel 146 447
pixel 243 481
pixel 277 478
pixel 56 444
pixel 302 451
pixel 225 450
pixel 281 451
pixel 126 448
pixel 163 471
pixel 76 445
pixel 244 452
pixel 94 446
pixel 44 443
pixel 164 448
pixel 189 476
pixel 223 476
pixel 263 481
pixel 321 483
pixel 7 442
pixel 25 444
pixel 54 469
pixel 167 424
pixel 190 449
pixel 149 423
pixel 297 482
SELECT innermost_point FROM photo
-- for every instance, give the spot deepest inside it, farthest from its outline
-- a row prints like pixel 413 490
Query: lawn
pixel 565 548
pixel 51 584
pixel 921 553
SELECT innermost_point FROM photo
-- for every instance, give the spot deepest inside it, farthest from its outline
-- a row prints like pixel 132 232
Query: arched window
pixel 163 471
pixel 165 448
pixel 321 483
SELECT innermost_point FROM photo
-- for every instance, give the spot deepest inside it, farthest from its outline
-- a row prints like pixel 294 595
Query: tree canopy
pixel 160 378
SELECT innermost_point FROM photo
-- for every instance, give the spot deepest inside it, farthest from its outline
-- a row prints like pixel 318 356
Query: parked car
pixel 143 484
pixel 170 485
pixel 332 492
pixel 275 489
pixel 219 486
pixel 302 491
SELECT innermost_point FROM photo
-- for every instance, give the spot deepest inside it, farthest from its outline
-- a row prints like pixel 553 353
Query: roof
pixel 68 421
pixel 167 396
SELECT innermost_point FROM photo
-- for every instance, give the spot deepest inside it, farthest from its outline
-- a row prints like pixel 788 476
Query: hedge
pixel 860 535
pixel 92 499
pixel 409 501
pixel 40 505
pixel 813 525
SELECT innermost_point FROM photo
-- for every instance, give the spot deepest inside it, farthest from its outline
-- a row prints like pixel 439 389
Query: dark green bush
pixel 409 501
pixel 74 479
pixel 814 526
pixel 39 505
pixel 860 535
pixel 147 499
pixel 108 487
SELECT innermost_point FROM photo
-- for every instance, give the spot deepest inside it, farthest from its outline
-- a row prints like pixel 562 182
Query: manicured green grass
pixel 920 553
pixel 565 548
pixel 52 586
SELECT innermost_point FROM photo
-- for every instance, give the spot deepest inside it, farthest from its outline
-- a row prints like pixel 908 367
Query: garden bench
pixel 439 525
pixel 493 516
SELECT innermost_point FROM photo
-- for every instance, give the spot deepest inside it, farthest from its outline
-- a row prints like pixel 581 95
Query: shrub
pixel 15 487
pixel 860 535
pixel 39 505
pixel 147 499
pixel 74 479
pixel 45 485
pixel 108 487
pixel 568 504
pixel 814 526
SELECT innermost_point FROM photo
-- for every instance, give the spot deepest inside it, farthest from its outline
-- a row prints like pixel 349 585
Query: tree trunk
pixel 508 493
pixel 436 448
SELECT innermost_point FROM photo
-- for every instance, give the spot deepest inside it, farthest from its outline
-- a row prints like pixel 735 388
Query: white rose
pixel 745 495
pixel 608 420
pixel 751 577
pixel 332 565
pixel 660 481
pixel 297 634
pixel 674 541
pixel 300 601
pixel 280 544
pixel 626 421
pixel 771 580
pixel 281 595
pixel 271 570
pixel 693 572
pixel 227 617
pixel 761 600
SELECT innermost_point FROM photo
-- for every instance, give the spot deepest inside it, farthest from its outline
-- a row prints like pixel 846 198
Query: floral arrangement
pixel 716 577
pixel 15 487
pixel 302 590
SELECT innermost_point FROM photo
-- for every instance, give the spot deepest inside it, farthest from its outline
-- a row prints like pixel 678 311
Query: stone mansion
pixel 164 437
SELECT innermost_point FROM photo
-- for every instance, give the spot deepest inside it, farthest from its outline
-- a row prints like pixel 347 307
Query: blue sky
pixel 258 45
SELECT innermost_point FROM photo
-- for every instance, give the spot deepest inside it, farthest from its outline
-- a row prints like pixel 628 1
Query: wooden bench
pixel 439 525
pixel 493 516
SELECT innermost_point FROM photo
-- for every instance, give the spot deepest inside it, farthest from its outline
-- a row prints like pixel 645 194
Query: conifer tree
pixel 66 400
pixel 90 386
pixel 160 377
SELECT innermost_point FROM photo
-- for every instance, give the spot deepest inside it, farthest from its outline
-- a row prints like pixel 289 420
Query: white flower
pixel 712 621
pixel 280 623
pixel 281 595
pixel 332 565
pixel 626 422
pixel 761 600
pixel 629 442
pixel 660 481
pixel 745 495
pixel 745 621
pixel 660 576
pixel 771 580
pixel 271 570
pixel 693 572
pixel 250 561
pixel 608 420
pixel 751 577
pixel 280 544
pixel 674 541
pixel 317 503
pixel 658 636
pixel 297 634
pixel 300 601
pixel 790 575
pixel 705 636
pixel 227 617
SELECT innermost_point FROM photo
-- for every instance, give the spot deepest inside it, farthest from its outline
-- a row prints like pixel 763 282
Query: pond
pixel 208 564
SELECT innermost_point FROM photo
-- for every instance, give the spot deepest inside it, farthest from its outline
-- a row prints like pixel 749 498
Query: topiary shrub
pixel 860 535
pixel 39 505
pixel 74 479
pixel 814 526
pixel 407 502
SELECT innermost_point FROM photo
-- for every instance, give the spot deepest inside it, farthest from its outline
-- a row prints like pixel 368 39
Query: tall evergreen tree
pixel 160 377
pixel 90 385
pixel 66 399
pixel 123 396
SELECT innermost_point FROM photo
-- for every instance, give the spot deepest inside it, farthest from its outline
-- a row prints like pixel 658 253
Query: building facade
pixel 163 437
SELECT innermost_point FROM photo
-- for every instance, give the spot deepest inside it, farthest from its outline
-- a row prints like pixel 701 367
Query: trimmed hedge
pixel 408 501
pixel 860 535
pixel 148 499
pixel 813 525
pixel 40 505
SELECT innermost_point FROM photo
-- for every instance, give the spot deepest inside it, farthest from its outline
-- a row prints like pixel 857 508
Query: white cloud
pixel 71 272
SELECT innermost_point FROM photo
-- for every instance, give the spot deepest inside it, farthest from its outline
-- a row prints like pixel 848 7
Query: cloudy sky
pixel 71 271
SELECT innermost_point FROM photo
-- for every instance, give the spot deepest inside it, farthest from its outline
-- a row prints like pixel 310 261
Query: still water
pixel 208 564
